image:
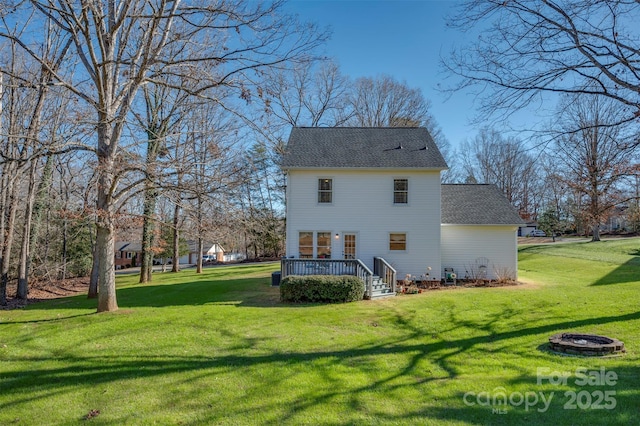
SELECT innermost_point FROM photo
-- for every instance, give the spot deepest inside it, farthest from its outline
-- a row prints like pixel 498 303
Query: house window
pixel 305 245
pixel 325 190
pixel 129 255
pixel 400 191
pixel 397 242
pixel 324 245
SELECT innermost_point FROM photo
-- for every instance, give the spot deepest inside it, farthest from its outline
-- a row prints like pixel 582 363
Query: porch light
pixel 337 236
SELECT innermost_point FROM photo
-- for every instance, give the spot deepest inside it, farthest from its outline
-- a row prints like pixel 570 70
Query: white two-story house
pixel 365 193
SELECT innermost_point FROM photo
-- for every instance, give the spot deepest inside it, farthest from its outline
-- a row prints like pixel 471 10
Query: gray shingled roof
pixel 477 205
pixel 362 147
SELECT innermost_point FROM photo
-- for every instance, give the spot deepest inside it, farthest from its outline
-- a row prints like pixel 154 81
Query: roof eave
pixel 481 224
pixel 363 168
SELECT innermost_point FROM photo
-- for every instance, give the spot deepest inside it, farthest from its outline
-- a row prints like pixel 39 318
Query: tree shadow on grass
pixel 253 292
pixel 244 292
pixel 625 273
pixel 45 320
pixel 67 371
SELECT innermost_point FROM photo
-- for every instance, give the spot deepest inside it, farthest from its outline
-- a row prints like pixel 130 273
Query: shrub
pixel 321 288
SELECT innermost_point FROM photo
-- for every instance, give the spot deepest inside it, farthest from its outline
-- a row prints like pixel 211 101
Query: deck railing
pixel 384 270
pixel 355 267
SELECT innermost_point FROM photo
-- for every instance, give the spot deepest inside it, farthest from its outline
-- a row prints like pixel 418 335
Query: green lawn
pixel 219 348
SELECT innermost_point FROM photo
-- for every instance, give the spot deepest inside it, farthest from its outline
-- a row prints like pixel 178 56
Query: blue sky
pixel 404 39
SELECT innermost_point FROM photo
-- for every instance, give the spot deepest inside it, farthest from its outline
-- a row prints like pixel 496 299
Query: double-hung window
pixel 318 247
pixel 325 191
pixel 305 245
pixel 400 191
pixel 323 248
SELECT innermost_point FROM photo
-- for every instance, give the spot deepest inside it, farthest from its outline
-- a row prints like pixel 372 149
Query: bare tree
pixel 120 45
pixel 43 137
pixel 214 150
pixel 554 190
pixel 595 159
pixel 164 107
pixel 527 49
pixel 386 102
pixel 24 91
pixel 262 198
pixel 506 163
pixel 312 94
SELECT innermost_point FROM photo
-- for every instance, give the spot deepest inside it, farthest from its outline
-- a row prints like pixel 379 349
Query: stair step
pixel 381 295
pixel 380 289
pixel 383 290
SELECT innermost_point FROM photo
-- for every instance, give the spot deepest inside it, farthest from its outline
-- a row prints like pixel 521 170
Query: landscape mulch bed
pixel 46 290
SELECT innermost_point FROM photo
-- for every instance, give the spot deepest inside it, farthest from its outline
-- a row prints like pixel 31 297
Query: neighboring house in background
pixel 365 193
pixel 214 251
pixel 234 257
pixel 527 228
pixel 127 254
pixel 617 220
pixel 209 249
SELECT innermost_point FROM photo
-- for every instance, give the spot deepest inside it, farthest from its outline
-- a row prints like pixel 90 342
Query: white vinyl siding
pixel 465 247
pixel 361 205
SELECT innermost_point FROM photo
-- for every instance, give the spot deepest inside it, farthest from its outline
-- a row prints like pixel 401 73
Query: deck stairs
pixel 380 289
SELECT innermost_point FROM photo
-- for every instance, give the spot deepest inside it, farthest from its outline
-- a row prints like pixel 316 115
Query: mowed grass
pixel 219 348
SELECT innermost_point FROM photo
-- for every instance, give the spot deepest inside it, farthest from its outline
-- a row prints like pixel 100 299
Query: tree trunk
pixel 40 205
pixel 23 267
pixel 176 239
pixel 93 280
pixel 105 246
pixel 9 232
pixel 3 211
pixel 106 274
pixel 200 250
pixel 62 273
pixel 596 232
pixel 148 234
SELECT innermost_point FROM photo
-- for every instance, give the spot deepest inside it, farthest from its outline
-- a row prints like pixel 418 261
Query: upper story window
pixel 400 191
pixel 325 190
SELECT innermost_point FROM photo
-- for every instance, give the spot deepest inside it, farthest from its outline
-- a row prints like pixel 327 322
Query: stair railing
pixel 384 270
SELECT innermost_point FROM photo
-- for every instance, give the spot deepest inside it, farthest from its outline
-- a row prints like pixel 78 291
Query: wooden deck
pixel 378 283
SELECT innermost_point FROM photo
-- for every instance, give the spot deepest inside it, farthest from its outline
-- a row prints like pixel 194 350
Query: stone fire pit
pixel 585 344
